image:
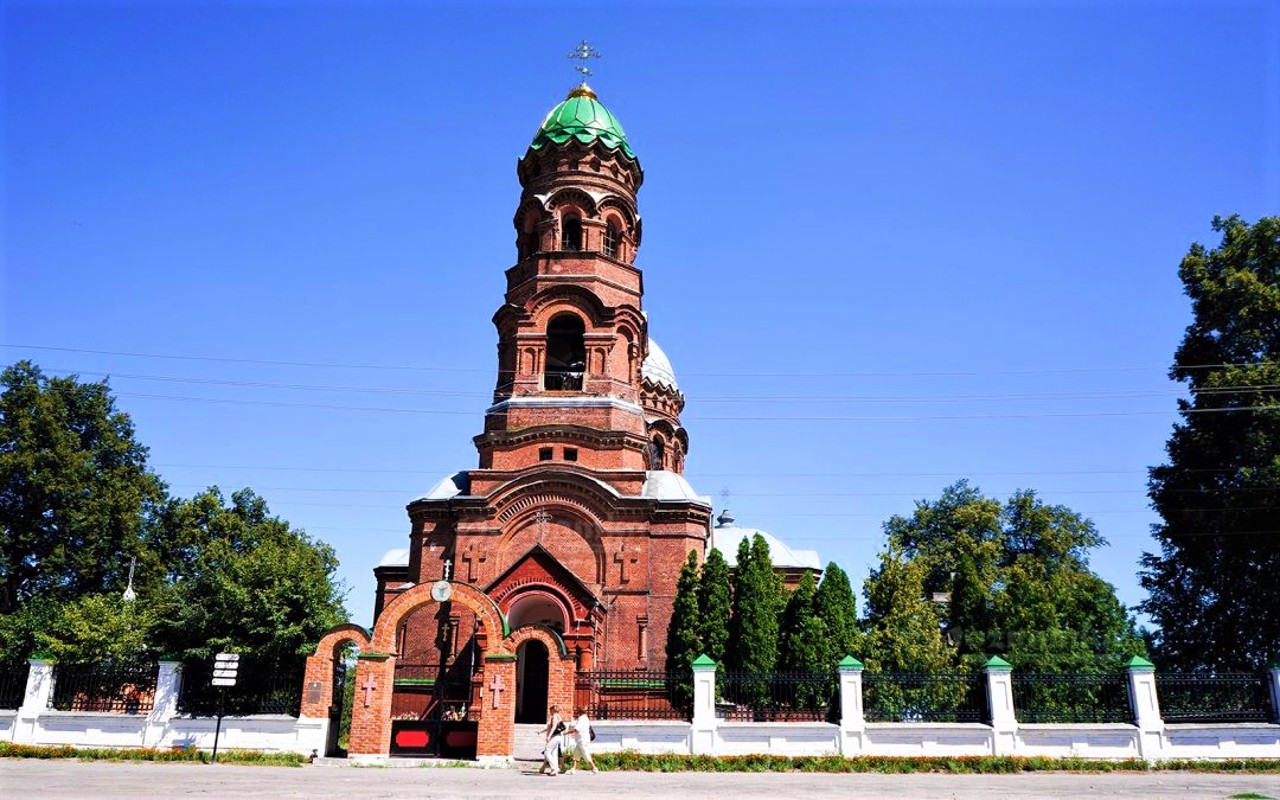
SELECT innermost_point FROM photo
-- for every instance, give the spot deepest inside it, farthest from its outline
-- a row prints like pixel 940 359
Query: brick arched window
pixel 612 240
pixel 657 453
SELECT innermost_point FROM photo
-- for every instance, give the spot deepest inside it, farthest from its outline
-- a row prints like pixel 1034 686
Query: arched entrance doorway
pixel 533 669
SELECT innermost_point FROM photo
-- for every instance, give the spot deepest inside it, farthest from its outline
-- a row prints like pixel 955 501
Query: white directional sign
pixel 225 668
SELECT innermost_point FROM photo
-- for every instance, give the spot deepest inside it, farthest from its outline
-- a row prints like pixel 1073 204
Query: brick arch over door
pixel 495 624
pixel 562 667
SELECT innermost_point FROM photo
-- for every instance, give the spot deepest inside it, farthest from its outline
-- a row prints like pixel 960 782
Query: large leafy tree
pixel 242 580
pixel 1010 579
pixel 903 627
pixel 1213 589
pixel 74 486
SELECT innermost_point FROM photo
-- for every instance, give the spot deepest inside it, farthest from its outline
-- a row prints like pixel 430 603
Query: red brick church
pixel 559 552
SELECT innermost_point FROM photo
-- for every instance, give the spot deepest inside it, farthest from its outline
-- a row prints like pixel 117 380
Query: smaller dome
pixel 728 536
pixel 657 368
pixel 583 117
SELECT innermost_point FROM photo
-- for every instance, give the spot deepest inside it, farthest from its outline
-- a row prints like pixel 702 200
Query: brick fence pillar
pixel 853 723
pixel 1004 721
pixel 168 689
pixel 496 733
pixel 35 701
pixel 370 738
pixel 702 735
pixel 317 688
pixel 1145 705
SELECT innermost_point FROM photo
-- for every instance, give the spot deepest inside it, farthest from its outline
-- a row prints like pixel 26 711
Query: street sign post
pixel 226 667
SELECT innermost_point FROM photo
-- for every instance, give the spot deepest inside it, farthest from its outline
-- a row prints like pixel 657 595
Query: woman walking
pixel 554 733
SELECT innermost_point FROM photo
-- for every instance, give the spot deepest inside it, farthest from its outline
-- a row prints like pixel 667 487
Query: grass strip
pixel 180 755
pixel 959 765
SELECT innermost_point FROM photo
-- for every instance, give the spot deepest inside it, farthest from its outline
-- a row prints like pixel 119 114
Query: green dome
pixel 581 116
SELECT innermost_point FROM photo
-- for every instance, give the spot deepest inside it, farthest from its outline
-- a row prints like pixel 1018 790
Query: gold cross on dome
pixel 584 52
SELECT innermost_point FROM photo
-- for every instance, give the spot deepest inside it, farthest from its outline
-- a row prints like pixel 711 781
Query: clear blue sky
pixel 886 246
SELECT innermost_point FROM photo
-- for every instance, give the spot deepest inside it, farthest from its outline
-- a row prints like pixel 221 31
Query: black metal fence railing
pixel 635 694
pixel 1222 697
pixel 924 696
pixel 778 696
pixel 1051 697
pixel 261 688
pixel 113 688
pixel 13 684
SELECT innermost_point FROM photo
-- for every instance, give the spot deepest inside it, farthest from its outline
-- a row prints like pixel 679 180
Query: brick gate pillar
pixel 317 688
pixel 370 738
pixel 496 734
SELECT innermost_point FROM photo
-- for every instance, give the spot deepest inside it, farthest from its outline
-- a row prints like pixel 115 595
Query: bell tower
pixel 572 339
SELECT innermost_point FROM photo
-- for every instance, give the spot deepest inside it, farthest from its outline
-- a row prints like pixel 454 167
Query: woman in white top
pixel 554 733
pixel 580 729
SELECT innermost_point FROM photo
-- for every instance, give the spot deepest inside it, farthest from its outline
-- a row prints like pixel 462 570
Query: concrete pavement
pixel 23 778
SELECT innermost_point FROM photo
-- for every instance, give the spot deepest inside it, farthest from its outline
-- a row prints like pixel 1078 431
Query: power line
pixel 418 368
pixel 695 418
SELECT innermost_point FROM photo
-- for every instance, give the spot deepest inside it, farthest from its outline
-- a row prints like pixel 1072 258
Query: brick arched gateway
pixel 562 666
pixel 375 674
pixel 317 687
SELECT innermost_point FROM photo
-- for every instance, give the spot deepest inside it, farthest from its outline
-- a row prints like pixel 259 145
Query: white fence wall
pixel 1150 738
pixel 37 724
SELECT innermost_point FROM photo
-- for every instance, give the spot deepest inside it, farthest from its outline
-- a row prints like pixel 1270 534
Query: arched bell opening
pixel 566 354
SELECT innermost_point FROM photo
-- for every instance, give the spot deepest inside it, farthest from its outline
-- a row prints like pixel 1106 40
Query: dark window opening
pixel 657 453
pixel 566 354
pixel 611 237
pixel 571 454
pixel 544 453
pixel 571 234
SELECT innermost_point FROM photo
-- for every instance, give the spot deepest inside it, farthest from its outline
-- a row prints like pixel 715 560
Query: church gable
pixel 539 571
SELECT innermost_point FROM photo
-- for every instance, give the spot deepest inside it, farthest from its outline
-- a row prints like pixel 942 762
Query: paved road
pixel 82 780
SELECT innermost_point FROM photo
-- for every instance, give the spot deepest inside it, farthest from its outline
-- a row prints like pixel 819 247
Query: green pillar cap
pixel 704 660
pixel 1138 662
pixel 849 662
pixel 996 662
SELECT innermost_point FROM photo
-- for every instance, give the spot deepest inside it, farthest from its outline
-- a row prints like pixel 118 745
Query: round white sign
pixel 441 591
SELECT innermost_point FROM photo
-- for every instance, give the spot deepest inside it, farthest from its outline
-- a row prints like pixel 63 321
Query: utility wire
pixel 417 368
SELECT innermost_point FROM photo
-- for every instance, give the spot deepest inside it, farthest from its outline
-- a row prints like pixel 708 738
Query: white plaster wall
pixel 8 723
pixel 777 738
pixel 87 729
pixel 641 737
pixel 926 739
pixel 1241 740
pixel 1103 740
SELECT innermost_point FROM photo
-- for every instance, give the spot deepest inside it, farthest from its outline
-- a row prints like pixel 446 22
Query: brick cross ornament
pixel 368 688
pixel 496 686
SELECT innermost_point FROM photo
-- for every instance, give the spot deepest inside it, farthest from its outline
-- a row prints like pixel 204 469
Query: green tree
pixel 243 581
pixel 1212 588
pixel 836 606
pixel 715 605
pixel 73 488
pixel 1014 580
pixel 98 627
pixel 757 600
pixel 683 642
pixel 903 627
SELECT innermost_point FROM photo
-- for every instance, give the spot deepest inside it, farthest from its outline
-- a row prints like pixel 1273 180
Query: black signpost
pixel 225 668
